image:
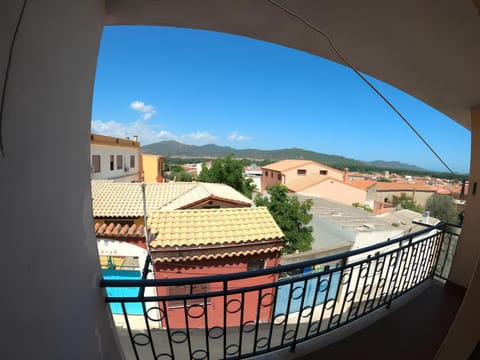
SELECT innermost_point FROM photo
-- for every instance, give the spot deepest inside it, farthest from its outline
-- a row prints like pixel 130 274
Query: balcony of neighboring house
pixel 309 310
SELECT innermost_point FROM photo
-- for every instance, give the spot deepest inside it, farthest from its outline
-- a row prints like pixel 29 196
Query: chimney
pixel 135 138
pixel 426 217
pixel 345 175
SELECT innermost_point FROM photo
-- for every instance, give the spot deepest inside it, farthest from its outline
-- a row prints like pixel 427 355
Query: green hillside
pixel 178 151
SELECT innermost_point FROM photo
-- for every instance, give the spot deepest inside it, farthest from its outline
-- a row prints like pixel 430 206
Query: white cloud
pixel 235 136
pixel 146 111
pixel 147 132
pixel 200 136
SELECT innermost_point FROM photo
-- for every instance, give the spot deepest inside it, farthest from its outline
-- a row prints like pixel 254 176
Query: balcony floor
pixel 414 330
pixel 411 329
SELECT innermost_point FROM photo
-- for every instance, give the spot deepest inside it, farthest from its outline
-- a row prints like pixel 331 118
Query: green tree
pixel 292 217
pixel 361 206
pixel 178 173
pixel 442 208
pixel 406 202
pixel 228 171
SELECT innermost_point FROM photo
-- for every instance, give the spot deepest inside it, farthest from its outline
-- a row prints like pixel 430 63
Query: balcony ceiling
pixel 429 49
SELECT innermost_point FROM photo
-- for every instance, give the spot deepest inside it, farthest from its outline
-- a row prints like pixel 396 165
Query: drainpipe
pixel 147 238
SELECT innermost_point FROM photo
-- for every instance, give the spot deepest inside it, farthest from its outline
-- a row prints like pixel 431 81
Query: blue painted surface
pixel 116 308
pixel 309 286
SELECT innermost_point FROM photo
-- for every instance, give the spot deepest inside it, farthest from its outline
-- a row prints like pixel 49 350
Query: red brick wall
pixel 216 316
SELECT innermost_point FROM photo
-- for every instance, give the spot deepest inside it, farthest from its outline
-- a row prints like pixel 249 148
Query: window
pixel 119 161
pixel 187 290
pixel 96 163
pixel 279 177
pixel 132 161
pixel 323 172
pixel 266 173
pixel 255 265
pixel 271 174
pixel 112 162
pixel 301 172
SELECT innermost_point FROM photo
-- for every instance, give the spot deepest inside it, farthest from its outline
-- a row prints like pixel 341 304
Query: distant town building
pixel 287 171
pixel 419 192
pixel 314 179
pixel 254 172
pixel 114 158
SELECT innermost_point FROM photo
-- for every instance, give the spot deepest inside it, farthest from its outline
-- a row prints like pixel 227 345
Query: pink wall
pixel 270 178
pixel 291 175
pixel 331 189
pixel 312 169
pixel 215 313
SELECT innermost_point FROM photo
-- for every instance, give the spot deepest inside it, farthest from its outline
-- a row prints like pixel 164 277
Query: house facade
pixel 345 192
pixel 114 158
pixel 420 193
pixel 285 171
pixel 207 242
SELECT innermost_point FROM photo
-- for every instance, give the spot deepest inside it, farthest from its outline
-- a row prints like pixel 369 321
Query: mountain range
pixel 175 149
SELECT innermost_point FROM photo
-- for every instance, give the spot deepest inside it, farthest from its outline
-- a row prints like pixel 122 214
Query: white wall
pixel 132 174
pixel 52 304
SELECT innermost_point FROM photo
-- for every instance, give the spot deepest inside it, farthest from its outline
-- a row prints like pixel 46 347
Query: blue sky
pixel 201 87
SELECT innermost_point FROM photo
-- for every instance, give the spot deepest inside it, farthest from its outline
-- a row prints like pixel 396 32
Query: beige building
pixel 420 193
pixel 310 178
pixel 114 158
pixel 345 192
pixel 287 171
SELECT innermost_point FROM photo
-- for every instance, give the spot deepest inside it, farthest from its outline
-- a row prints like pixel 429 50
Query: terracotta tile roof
pixel 125 199
pixel 212 226
pixel 285 165
pixel 395 186
pixel 356 174
pixel 362 184
pixel 443 191
pixel 117 230
pixel 217 253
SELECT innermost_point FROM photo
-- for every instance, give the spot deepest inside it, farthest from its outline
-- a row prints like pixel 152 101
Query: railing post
pixel 439 251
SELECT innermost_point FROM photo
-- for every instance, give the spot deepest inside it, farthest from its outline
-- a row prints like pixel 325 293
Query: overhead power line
pixel 361 76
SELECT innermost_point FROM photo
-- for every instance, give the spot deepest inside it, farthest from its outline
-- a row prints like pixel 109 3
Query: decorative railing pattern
pixel 298 302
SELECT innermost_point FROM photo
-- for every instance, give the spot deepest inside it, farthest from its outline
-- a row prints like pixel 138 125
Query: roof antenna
pixel 147 236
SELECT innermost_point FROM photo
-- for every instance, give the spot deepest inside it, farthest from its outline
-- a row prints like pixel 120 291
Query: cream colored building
pixel 287 171
pixel 114 158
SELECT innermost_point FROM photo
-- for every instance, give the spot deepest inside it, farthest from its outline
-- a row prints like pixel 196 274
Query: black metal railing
pixel 250 313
